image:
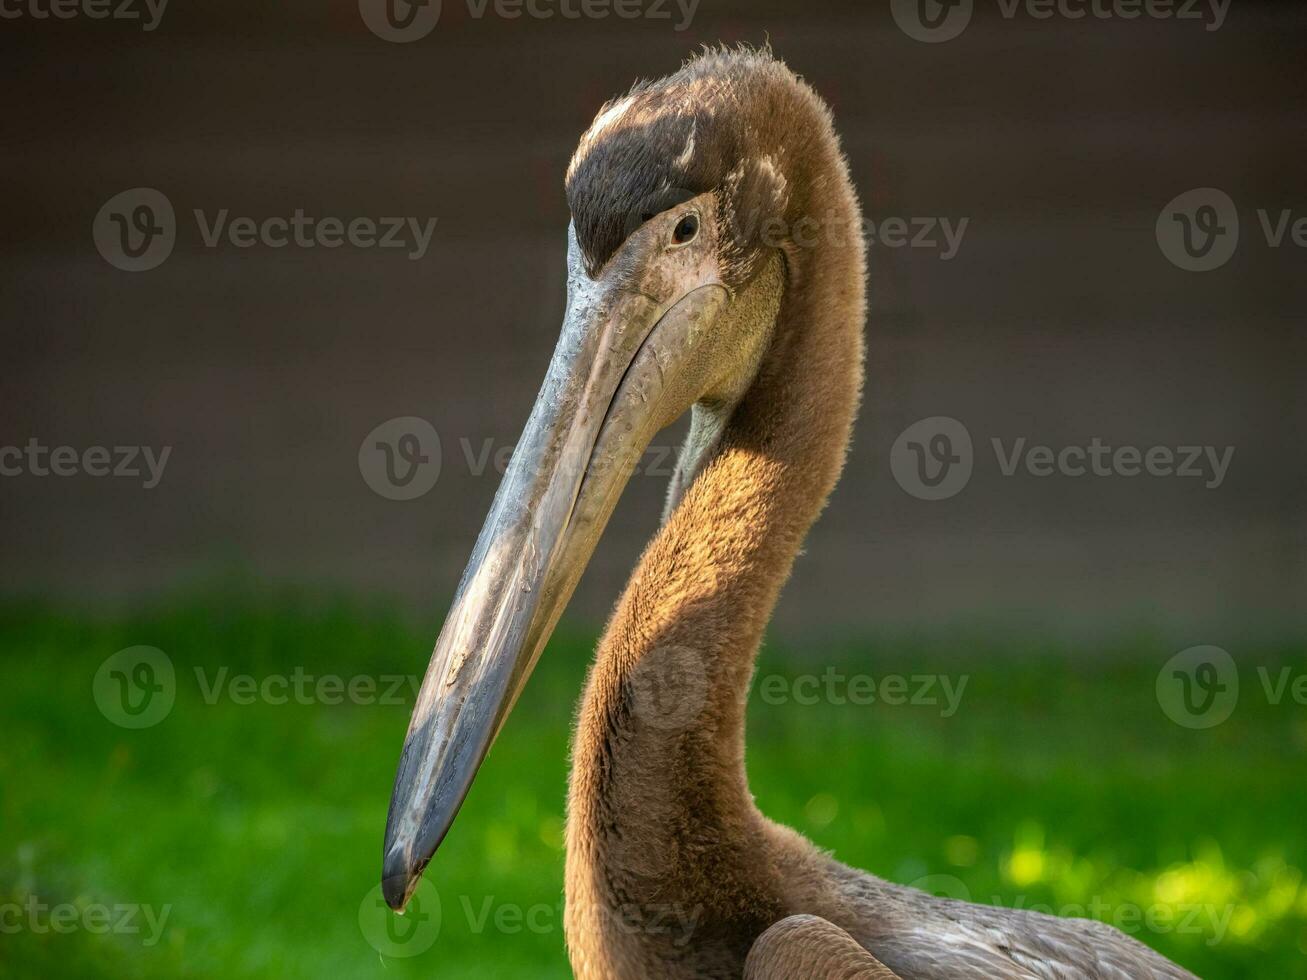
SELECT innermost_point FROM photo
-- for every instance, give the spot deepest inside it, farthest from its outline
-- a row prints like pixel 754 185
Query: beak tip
pixel 399 878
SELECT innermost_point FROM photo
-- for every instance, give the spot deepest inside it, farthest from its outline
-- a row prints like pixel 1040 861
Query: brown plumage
pixel 716 263
pixel 661 824
pixel 801 947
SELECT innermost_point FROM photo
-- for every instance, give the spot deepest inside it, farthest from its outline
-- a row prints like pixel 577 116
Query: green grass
pixel 257 828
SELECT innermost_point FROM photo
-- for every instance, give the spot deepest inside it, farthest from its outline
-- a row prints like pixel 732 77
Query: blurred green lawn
pixel 257 828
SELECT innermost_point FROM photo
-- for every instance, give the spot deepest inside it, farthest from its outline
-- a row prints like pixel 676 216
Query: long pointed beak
pixel 628 362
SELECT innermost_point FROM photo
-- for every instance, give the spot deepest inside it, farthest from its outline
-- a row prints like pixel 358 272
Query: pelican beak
pixel 634 354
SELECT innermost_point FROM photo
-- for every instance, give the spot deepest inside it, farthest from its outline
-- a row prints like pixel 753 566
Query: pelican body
pixel 715 266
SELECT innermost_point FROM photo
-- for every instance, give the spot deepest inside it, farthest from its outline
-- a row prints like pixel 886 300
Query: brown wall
pixel 1059 319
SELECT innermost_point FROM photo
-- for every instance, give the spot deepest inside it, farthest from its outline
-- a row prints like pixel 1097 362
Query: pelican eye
pixel 686 229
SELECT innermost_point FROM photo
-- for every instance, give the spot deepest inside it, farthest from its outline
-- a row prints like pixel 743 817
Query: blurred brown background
pixel 1059 318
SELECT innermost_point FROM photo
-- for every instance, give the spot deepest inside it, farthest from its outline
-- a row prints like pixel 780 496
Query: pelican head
pixel 674 191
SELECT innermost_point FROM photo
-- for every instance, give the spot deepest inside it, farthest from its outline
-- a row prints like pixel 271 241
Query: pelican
pixel 715 267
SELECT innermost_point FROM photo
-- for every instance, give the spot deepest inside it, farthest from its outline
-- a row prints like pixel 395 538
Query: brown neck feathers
pixel 659 792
